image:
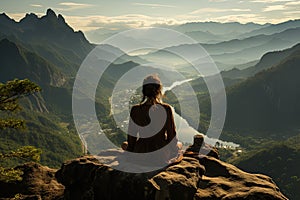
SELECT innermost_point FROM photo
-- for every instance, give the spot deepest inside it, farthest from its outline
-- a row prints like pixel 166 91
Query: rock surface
pixel 38 183
pixel 195 177
pixel 87 178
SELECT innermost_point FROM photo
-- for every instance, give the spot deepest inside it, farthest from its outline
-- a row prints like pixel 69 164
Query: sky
pixel 118 14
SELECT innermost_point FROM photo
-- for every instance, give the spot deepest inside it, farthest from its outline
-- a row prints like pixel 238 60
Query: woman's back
pixel 151 134
pixel 151 124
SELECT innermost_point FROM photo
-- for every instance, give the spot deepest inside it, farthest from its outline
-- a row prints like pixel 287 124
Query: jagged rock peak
pixel 4 18
pixel 61 18
pixel 31 15
pixel 50 13
pixel 55 19
pixel 29 18
pixel 4 15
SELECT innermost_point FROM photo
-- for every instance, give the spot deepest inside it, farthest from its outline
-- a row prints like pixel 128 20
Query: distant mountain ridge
pixel 273 28
pixel 267 61
pixel 61 46
pixel 204 32
pixel 218 27
pixel 233 52
pixel 34 29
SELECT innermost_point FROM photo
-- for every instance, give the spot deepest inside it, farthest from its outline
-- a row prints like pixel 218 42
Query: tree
pixel 10 93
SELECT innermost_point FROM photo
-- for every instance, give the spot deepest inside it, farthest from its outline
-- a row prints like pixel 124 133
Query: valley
pixel 259 66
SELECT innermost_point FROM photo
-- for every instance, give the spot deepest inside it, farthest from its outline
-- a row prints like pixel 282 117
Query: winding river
pixel 186 132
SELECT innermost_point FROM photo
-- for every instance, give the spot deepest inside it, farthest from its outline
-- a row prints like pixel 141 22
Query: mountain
pixel 17 62
pixel 49 52
pixel 267 61
pixel 277 41
pixel 61 46
pixel 273 28
pixel 205 37
pixel 268 100
pixel 45 129
pixel 33 29
pixel 203 32
pixel 232 46
pixel 222 29
pixel 234 52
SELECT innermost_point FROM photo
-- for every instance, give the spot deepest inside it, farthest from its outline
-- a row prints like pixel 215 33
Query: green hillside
pixel 279 160
pixel 56 137
pixel 268 101
pixel 47 51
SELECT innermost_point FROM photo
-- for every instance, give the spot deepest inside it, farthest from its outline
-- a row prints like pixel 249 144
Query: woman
pixel 151 125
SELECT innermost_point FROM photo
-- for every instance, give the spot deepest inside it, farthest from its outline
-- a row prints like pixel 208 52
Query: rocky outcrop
pixel 195 177
pixel 198 175
pixel 38 183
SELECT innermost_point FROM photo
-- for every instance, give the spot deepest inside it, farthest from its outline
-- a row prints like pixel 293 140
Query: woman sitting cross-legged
pixel 151 124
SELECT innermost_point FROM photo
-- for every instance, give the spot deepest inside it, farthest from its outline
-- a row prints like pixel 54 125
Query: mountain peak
pixel 31 15
pixel 5 19
pixel 29 19
pixel 3 15
pixel 51 13
pixel 61 19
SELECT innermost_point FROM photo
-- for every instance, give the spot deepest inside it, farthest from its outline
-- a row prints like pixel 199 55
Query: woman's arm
pixel 132 131
pixel 171 128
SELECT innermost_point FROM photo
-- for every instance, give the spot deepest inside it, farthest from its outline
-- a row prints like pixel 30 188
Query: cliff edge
pixel 193 178
pixel 196 176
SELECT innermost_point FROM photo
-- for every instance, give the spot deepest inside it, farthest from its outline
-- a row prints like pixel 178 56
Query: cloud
pixel 242 18
pixel 288 5
pixel 294 3
pixel 256 18
pixel 218 10
pixel 217 0
pixel 116 22
pixel 274 8
pixel 153 5
pixel 269 1
pixel 67 6
pixel 36 5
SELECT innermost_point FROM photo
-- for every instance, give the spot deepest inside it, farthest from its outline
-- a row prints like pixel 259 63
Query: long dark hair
pixel 152 89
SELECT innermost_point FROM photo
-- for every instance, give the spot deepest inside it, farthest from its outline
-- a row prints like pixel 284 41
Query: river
pixel 186 132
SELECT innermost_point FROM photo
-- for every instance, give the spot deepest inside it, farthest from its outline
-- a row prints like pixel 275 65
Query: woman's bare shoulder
pixel 136 106
pixel 166 106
